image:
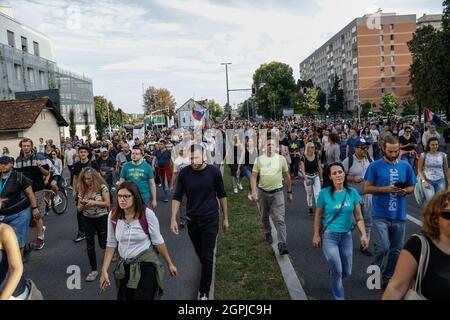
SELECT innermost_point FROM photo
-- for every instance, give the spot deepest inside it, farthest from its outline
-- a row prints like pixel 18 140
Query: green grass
pixel 246 267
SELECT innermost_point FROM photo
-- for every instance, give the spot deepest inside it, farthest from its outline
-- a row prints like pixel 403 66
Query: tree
pixel 72 127
pixel 310 103
pixel 215 110
pixel 336 100
pixel 409 106
pixel 275 87
pixel 322 99
pixel 366 108
pixel 87 127
pixel 101 114
pixel 389 105
pixel 159 99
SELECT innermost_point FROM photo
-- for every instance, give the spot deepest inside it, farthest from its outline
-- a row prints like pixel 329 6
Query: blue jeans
pixel 338 250
pixel 20 223
pixel 388 239
pixel 435 187
pixel 246 172
pixel 409 158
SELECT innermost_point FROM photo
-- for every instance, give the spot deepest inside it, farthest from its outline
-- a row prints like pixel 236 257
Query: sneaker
pixel 269 239
pixel 159 185
pixel 204 296
pixel 113 189
pixel 92 276
pixel 166 200
pixel 310 212
pixel 235 190
pixel 240 186
pixel 282 249
pixel 39 244
pixel 80 237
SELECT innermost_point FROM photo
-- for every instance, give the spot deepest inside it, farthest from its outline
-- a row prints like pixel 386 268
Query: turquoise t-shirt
pixel 139 174
pixel 343 222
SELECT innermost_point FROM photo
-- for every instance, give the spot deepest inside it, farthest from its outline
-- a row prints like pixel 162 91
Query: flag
pixel 431 117
pixel 198 114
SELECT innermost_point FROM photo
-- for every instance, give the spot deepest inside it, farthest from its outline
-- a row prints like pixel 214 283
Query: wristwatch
pixel 290 192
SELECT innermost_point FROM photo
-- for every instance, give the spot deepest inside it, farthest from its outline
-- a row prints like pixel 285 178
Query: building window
pixel 42 77
pixel 393 80
pixel 11 40
pixel 393 69
pixel 382 39
pixel 382 90
pixel 392 59
pixel 31 75
pixel 18 71
pixel 392 37
pixel 382 59
pixel 24 44
pixel 354 29
pixel 392 48
pixel 36 48
pixel 391 27
pixel 382 49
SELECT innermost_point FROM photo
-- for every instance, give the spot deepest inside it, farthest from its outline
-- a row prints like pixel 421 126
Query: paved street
pixel 310 263
pixel 48 267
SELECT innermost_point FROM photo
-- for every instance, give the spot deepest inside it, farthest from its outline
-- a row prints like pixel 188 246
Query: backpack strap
pixel 114 219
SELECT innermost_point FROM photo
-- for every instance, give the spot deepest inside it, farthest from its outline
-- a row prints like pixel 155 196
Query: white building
pixel 186 117
pixel 29 118
pixel 27 65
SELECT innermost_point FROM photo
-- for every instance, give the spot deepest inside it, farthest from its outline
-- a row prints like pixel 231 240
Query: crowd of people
pixel 354 176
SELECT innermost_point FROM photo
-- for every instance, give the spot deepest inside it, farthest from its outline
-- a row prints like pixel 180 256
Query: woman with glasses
pixel 408 145
pixel 336 207
pixel 311 169
pixel 134 230
pixel 94 202
pixel 433 169
pixel 436 231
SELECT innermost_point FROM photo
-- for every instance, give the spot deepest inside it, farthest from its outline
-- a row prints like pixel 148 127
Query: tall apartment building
pixel 370 55
pixel 26 65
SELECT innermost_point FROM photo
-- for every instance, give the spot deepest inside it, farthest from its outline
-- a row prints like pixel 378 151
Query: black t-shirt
pixel 311 167
pixel 13 194
pixel 77 167
pixel 30 170
pixel 104 164
pixel 405 141
pixel 436 284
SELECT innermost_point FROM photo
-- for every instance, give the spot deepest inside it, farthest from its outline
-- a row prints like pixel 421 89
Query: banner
pixel 198 114
pixel 431 117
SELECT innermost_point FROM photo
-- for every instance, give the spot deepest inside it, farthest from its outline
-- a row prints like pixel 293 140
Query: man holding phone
pixel 389 181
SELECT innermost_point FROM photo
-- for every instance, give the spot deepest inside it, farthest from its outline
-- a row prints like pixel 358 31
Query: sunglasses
pixel 445 215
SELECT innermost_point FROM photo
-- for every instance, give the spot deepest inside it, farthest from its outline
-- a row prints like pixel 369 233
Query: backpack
pixel 142 221
pixel 351 159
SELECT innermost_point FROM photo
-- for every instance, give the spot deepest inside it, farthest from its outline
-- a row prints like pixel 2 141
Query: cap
pixel 360 143
pixel 6 159
pixel 103 150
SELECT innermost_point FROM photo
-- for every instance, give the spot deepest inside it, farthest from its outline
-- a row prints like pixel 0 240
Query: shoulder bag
pixel 415 289
pixel 323 228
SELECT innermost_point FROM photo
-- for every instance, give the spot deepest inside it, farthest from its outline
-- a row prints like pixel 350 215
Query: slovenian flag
pixel 198 114
pixel 430 116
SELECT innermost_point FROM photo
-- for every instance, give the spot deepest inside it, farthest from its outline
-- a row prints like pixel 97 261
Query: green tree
pixel 215 110
pixel 337 99
pixel 310 103
pixel 72 127
pixel 275 87
pixel 409 106
pixel 87 127
pixel 159 99
pixel 389 105
pixel 366 108
pixel 322 99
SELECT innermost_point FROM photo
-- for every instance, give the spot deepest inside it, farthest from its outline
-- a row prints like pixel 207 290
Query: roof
pixel 201 103
pixel 21 114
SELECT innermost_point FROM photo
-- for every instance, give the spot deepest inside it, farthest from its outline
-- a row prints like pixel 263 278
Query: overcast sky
pixel 179 44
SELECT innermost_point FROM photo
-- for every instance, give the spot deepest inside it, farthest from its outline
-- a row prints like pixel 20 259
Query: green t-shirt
pixel 270 171
pixel 139 174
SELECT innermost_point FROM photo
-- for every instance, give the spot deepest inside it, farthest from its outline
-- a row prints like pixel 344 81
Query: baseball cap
pixel 103 150
pixel 361 142
pixel 6 159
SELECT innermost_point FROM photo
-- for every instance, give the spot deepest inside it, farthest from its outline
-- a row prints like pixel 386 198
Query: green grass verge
pixel 246 267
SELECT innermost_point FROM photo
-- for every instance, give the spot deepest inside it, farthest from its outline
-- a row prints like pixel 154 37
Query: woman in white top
pixel 433 169
pixel 139 273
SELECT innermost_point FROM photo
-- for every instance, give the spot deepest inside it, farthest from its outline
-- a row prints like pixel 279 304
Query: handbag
pixel 415 289
pixel 35 293
pixel 323 228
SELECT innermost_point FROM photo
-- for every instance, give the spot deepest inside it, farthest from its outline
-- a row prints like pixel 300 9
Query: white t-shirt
pixel 433 166
pixel 130 239
pixel 180 163
pixel 70 156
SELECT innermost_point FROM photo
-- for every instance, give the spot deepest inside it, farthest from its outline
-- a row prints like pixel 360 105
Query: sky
pixel 180 44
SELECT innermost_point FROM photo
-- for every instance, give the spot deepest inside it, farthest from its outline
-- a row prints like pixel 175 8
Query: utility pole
pixel 228 91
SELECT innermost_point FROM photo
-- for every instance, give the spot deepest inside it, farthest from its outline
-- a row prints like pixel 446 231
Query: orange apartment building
pixel 370 55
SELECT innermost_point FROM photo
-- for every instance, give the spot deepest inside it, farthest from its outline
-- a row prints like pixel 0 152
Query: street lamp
pixel 228 91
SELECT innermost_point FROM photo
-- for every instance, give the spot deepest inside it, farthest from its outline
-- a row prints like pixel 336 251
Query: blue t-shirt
pixel 331 205
pixel 351 145
pixel 163 158
pixel 139 174
pixel 383 174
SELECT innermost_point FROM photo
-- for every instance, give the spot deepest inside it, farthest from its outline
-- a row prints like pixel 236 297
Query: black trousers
pixel 295 166
pixel 203 234
pixel 94 226
pixel 147 284
pixel 71 174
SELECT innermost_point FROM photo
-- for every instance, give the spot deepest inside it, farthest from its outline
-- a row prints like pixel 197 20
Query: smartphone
pixel 400 185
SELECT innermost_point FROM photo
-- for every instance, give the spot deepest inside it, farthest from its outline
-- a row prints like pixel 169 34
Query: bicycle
pixel 58 202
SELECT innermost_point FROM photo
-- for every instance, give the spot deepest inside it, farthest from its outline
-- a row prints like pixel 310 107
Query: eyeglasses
pixel 445 214
pixel 124 196
pixel 408 131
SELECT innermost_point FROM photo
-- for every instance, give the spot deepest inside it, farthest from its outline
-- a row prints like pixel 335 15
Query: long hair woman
pixel 337 204
pixel 134 229
pixel 311 169
pixel 436 229
pixel 94 202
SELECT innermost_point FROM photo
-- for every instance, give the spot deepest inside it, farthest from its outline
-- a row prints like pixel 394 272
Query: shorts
pixel 20 223
pixel 56 178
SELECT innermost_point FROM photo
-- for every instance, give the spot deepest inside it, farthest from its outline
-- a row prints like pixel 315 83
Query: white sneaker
pixel 92 276
pixel 204 297
pixel 240 186
pixel 235 190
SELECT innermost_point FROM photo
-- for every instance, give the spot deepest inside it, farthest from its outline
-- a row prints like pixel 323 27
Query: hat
pixel 361 142
pixel 6 159
pixel 103 150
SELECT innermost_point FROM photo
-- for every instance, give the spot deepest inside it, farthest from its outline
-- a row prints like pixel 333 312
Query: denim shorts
pixel 20 223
